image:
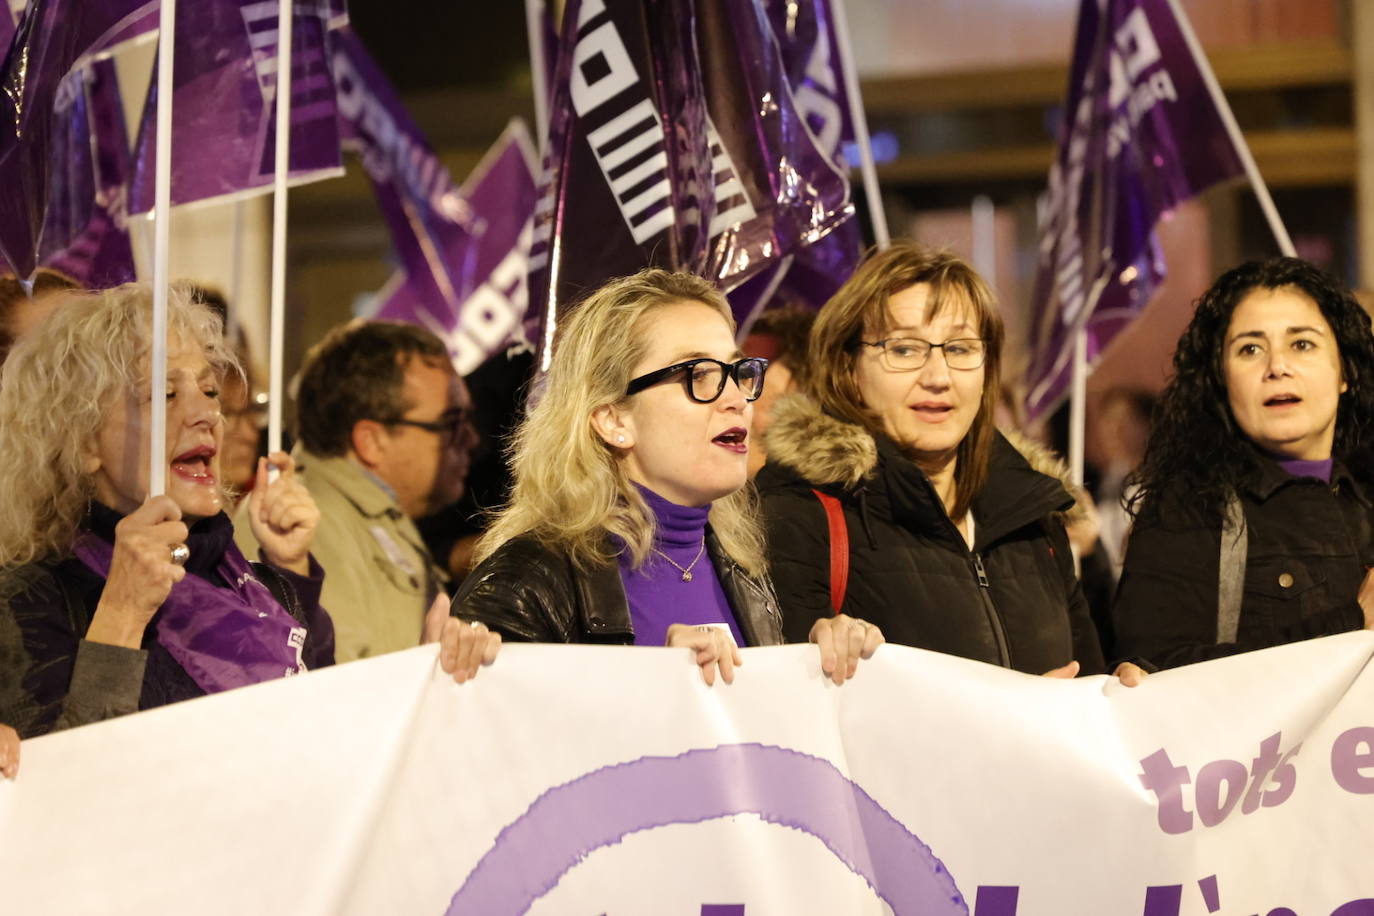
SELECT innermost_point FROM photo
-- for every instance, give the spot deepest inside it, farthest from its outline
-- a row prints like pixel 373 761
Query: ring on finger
pixel 475 624
pixel 180 554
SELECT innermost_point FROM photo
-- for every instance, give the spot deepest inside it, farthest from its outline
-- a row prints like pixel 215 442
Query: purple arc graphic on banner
pixel 780 786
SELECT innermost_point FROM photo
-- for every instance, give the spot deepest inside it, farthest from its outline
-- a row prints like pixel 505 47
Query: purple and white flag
pixel 464 252
pixel 675 140
pixel 53 38
pixel 1141 134
pixel 85 235
pixel 224 105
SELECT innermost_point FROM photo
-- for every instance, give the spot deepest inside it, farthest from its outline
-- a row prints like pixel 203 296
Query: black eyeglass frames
pixel 704 378
pixel 447 426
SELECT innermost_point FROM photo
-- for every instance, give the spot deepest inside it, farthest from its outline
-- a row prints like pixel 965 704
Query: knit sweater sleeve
pixel 50 677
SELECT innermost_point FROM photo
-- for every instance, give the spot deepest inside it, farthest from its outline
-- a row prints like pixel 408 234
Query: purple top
pixel 1318 469
pixel 657 595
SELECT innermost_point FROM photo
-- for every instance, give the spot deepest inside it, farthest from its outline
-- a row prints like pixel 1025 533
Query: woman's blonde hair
pixel 55 391
pixel 860 307
pixel 570 489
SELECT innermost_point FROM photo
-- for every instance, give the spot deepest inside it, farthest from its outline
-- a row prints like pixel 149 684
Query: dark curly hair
pixel 1197 454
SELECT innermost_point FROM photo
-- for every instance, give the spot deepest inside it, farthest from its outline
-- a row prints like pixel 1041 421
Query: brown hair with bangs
pixel 859 310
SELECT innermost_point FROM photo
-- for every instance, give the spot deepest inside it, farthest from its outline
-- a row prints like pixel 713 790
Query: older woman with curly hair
pixel 110 600
pixel 1253 524
pixel 630 521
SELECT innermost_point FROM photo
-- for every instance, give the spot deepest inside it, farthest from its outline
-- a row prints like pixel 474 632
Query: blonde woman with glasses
pixel 630 521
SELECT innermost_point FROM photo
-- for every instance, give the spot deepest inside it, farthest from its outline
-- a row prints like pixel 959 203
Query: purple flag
pixel 806 37
pixel 675 140
pixel 85 235
pixel 53 37
pixel 1141 134
pixel 464 252
pixel 7 23
pixel 224 106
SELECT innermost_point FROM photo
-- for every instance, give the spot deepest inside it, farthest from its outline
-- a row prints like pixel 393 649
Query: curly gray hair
pixel 55 391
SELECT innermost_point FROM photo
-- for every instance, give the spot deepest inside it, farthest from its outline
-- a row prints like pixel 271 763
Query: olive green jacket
pixel 379 577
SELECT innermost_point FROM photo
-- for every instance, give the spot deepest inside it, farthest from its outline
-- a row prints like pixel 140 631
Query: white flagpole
pixel 856 110
pixel 534 21
pixel 162 212
pixel 1266 202
pixel 1078 404
pixel 275 384
pixel 983 233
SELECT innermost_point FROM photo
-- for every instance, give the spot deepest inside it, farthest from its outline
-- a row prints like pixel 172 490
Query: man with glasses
pixel 384 437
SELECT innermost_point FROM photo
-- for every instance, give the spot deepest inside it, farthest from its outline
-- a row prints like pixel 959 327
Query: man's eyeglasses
pixel 447 426
pixel 904 354
pixel 704 378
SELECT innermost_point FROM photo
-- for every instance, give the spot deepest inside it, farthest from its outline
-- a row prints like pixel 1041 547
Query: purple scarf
pixel 223 637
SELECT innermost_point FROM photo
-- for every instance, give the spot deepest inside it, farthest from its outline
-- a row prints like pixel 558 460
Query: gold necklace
pixel 685 570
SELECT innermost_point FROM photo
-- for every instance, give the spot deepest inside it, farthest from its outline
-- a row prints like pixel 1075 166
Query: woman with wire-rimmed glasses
pixel 630 521
pixel 890 495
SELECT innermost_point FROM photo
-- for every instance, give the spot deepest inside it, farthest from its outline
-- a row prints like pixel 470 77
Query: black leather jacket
pixel 529 592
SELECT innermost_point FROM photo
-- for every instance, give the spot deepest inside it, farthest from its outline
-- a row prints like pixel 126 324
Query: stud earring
pixel 620 439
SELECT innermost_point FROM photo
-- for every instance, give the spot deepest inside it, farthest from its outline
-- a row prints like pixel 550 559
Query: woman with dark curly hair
pixel 1253 525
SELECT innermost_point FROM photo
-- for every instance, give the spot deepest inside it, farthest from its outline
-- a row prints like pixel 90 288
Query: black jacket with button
pixel 1014 600
pixel 529 592
pixel 1309 544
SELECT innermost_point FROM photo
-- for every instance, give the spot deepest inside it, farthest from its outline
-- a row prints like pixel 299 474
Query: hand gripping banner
pixel 612 780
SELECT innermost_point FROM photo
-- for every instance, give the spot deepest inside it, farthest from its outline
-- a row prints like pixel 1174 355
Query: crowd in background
pixel 846 478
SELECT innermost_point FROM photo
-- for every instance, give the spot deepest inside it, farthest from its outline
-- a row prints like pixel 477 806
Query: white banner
pixel 612 781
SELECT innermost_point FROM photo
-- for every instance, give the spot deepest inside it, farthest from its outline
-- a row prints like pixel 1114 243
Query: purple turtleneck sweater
pixel 1318 469
pixel 656 593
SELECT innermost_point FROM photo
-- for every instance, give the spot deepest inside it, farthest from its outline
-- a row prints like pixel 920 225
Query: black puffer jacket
pixel 529 592
pixel 1309 545
pixel 1012 601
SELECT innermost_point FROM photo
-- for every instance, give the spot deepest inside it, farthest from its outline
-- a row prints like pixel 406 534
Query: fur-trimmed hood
pixel 832 452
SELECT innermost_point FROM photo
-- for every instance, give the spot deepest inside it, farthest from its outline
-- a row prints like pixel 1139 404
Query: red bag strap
pixel 839 548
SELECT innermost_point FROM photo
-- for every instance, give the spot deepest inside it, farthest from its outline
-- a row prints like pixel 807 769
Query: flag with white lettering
pixel 675 141
pixel 464 252
pixel 1141 134
pixel 224 104
pixel 86 234
pixel 53 38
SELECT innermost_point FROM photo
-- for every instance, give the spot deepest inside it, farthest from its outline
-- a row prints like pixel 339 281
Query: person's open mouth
pixel 194 465
pixel 932 411
pixel 1282 400
pixel 733 439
